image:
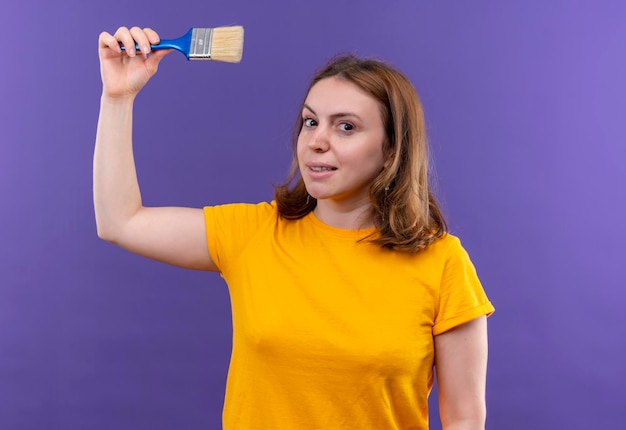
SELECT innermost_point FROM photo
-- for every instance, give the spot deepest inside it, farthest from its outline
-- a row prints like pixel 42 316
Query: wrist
pixel 117 100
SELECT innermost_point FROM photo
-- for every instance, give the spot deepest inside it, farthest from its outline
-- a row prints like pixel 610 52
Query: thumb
pixel 155 57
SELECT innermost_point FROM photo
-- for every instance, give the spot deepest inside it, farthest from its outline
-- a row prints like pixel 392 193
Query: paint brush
pixel 218 44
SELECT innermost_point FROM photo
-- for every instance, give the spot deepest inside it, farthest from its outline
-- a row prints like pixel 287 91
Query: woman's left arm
pixel 461 364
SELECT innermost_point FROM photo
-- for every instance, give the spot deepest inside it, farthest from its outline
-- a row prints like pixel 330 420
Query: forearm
pixel 115 187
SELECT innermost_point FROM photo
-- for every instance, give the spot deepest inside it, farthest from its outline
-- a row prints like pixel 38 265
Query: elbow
pixel 468 414
pixel 104 234
pixel 475 420
pixel 113 224
pixel 113 229
pixel 106 231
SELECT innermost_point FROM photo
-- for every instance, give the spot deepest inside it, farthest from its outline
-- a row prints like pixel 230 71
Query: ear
pixel 388 155
pixel 387 162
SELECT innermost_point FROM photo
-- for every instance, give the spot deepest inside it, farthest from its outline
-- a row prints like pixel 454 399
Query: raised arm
pixel 172 235
pixel 461 363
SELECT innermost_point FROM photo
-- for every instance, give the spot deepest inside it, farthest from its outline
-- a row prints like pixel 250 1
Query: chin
pixel 313 192
pixel 317 196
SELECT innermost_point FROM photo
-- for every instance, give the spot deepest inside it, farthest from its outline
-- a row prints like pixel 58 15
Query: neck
pixel 338 215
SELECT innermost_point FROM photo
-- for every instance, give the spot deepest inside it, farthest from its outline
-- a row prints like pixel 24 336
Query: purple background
pixel 526 108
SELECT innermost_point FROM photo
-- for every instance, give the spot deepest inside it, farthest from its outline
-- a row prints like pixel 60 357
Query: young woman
pixel 346 290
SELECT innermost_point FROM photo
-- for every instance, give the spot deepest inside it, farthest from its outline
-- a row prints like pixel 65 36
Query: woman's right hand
pixel 173 235
pixel 125 72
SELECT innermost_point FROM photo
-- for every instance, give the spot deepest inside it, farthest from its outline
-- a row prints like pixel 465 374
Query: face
pixel 340 146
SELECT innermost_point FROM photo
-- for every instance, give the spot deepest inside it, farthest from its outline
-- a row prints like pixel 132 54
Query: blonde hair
pixel 404 211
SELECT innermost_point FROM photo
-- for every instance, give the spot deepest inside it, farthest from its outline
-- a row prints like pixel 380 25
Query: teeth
pixel 320 169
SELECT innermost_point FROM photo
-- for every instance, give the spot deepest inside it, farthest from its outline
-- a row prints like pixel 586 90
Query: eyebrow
pixel 335 115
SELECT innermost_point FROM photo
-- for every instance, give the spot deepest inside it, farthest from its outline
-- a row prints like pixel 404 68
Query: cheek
pixel 371 155
pixel 299 149
pixel 372 163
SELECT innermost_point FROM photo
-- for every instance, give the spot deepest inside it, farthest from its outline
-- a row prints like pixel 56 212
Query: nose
pixel 319 140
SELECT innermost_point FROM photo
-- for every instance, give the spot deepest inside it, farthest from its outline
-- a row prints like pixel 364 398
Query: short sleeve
pixel 229 228
pixel 461 295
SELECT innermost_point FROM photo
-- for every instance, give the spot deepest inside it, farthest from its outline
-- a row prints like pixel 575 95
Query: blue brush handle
pixel 182 44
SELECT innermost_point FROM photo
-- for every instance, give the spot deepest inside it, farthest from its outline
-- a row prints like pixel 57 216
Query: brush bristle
pixel 227 44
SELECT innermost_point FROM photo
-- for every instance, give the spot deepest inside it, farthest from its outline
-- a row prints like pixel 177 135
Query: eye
pixel 346 126
pixel 309 122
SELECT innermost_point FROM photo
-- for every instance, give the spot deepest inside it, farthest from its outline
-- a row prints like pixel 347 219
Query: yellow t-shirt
pixel 329 333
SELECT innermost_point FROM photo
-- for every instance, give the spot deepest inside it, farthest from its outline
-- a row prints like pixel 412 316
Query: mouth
pixel 322 168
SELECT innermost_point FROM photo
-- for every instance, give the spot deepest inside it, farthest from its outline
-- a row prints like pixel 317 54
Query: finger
pixel 108 41
pixel 152 35
pixel 126 39
pixel 141 38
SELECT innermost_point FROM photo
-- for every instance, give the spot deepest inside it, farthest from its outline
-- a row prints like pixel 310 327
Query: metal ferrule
pixel 200 48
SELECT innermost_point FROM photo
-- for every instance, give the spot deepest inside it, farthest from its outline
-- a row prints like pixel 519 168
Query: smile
pixel 322 169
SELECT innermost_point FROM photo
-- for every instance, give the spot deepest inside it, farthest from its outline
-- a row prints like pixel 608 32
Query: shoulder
pixel 445 245
pixel 239 219
pixel 254 210
pixel 450 252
